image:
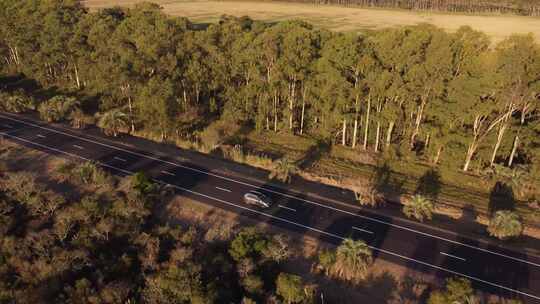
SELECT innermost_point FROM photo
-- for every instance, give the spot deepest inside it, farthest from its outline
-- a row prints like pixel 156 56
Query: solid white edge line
pixel 452 256
pixel 276 192
pixel 168 173
pixel 285 220
pixel 223 189
pixel 285 207
pixel 363 230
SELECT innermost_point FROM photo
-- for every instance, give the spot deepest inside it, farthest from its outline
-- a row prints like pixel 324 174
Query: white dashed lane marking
pixel 363 230
pixel 168 173
pixel 120 159
pixel 285 207
pixel 223 189
pixel 453 256
pixel 78 147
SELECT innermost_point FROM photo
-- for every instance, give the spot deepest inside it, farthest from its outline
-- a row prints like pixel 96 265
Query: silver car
pixel 257 198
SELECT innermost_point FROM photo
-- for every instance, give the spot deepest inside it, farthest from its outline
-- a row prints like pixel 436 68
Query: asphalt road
pixel 489 267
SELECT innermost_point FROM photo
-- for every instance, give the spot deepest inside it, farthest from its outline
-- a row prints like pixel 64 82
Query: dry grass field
pixel 337 18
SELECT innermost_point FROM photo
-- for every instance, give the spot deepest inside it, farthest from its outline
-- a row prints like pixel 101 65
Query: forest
pixel 516 7
pixel 416 93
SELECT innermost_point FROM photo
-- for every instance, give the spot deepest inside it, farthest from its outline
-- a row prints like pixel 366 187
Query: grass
pixel 337 18
pixel 347 167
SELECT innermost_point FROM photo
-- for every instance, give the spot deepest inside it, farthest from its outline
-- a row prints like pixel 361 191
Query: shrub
pixel 505 224
pixel 419 208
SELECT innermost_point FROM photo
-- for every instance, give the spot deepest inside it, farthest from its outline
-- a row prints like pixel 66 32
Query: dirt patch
pixel 337 18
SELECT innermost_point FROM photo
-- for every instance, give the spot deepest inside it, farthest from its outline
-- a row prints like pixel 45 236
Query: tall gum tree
pixel 518 76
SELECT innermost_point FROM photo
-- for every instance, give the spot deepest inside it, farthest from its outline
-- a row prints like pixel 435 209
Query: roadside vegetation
pixel 389 107
pixel 72 233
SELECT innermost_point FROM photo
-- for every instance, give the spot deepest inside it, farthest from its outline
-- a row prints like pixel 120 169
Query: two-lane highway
pixel 415 246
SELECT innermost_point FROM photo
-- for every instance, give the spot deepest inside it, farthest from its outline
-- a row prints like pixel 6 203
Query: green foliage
pixel 350 261
pixel 249 243
pixel 417 94
pixel 419 208
pixel 505 224
pixel 457 290
pixel 58 108
pixel 283 170
pixel 291 288
pixel 142 184
pixel 16 102
pixel 113 121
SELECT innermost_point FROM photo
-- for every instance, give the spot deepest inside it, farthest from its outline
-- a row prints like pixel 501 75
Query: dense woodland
pixel 517 7
pixel 410 93
pixel 101 242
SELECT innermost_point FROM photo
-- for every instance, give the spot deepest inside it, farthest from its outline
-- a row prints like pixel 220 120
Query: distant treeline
pixel 517 7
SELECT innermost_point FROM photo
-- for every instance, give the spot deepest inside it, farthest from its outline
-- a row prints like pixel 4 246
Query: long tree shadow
pixel 429 184
pixel 501 198
pixel 386 182
pixel 314 153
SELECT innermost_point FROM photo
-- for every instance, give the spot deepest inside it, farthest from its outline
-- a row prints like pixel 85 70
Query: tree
pixel 283 170
pixel 419 208
pixel 353 259
pixel 505 224
pixel 112 121
pixel 457 290
pixel 58 108
pixel 291 288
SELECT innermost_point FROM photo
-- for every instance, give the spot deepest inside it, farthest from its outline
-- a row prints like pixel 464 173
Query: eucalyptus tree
pixel 299 46
pixel 144 46
pixel 518 85
pixel 58 23
pixel 428 68
pixel 156 108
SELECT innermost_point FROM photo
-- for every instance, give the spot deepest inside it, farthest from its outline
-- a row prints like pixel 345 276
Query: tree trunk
pixel 366 128
pixel 417 123
pixel 77 80
pixel 303 111
pixel 389 133
pixel 470 154
pixel 513 154
pixel 275 111
pixel 355 131
pixel 378 135
pixel 291 104
pixel 344 133
pixel 438 155
pixel 500 135
pixel 130 105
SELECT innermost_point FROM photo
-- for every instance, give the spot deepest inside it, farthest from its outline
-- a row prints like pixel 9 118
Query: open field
pixel 337 18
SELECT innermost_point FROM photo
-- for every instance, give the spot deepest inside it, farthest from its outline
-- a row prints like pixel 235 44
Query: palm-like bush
pixel 505 224
pixel 112 121
pixel 352 260
pixel 16 103
pixel 419 208
pixel 58 108
pixel 283 170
